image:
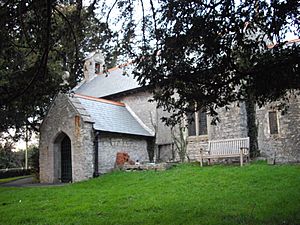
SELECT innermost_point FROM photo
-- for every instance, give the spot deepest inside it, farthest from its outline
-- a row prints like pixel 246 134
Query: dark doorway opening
pixel 66 160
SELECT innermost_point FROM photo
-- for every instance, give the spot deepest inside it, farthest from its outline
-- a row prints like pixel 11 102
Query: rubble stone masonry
pixel 62 119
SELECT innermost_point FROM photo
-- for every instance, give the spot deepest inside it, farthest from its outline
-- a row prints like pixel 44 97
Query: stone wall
pixel 166 153
pixel 139 104
pixel 193 147
pixel 286 144
pixel 62 119
pixel 109 144
pixel 147 112
pixel 233 124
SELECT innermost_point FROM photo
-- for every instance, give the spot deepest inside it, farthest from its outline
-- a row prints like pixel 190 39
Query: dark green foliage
pixel 10 158
pixel 211 52
pixel 27 82
pixel 33 159
pixel 204 52
pixel 7 159
pixel 16 159
pixel 14 172
pixel 39 40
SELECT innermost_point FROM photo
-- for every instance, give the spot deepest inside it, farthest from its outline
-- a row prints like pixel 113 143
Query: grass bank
pixel 186 194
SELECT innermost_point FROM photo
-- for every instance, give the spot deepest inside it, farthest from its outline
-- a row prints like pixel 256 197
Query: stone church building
pixel 110 113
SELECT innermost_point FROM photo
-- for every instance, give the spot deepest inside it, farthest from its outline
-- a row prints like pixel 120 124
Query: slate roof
pixel 107 84
pixel 81 110
pixel 109 116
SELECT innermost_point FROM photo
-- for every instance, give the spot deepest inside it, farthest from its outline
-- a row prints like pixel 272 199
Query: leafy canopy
pixel 205 53
pixel 214 52
pixel 39 40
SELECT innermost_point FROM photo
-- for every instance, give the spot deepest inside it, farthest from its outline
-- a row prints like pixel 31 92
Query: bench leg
pixel 201 157
pixel 241 157
pixel 208 162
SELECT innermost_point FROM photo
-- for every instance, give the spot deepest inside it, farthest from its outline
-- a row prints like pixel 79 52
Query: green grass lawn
pixel 186 194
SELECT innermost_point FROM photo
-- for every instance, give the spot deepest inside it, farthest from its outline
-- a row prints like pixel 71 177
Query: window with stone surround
pixel 197 124
pixel 273 122
pixel 97 68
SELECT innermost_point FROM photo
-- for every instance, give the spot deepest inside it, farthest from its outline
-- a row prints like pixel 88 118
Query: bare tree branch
pixel 143 25
pixel 108 14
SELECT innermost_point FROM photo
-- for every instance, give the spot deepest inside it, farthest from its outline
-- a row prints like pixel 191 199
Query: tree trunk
pixel 252 126
pixel 151 148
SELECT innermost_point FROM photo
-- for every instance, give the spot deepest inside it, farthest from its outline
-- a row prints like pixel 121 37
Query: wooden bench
pixel 227 148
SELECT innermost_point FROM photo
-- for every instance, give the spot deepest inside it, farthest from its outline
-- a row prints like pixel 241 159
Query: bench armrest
pixel 245 150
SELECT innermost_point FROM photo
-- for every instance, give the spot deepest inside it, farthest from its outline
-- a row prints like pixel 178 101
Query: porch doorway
pixel 66 160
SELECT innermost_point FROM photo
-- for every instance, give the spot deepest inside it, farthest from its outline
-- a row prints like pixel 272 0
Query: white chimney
pixel 93 65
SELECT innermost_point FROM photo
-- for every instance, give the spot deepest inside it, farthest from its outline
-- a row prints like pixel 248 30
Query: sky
pixel 138 14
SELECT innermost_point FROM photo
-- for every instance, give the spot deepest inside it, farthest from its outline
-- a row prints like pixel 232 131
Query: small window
pixel 192 124
pixel 273 122
pixel 97 68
